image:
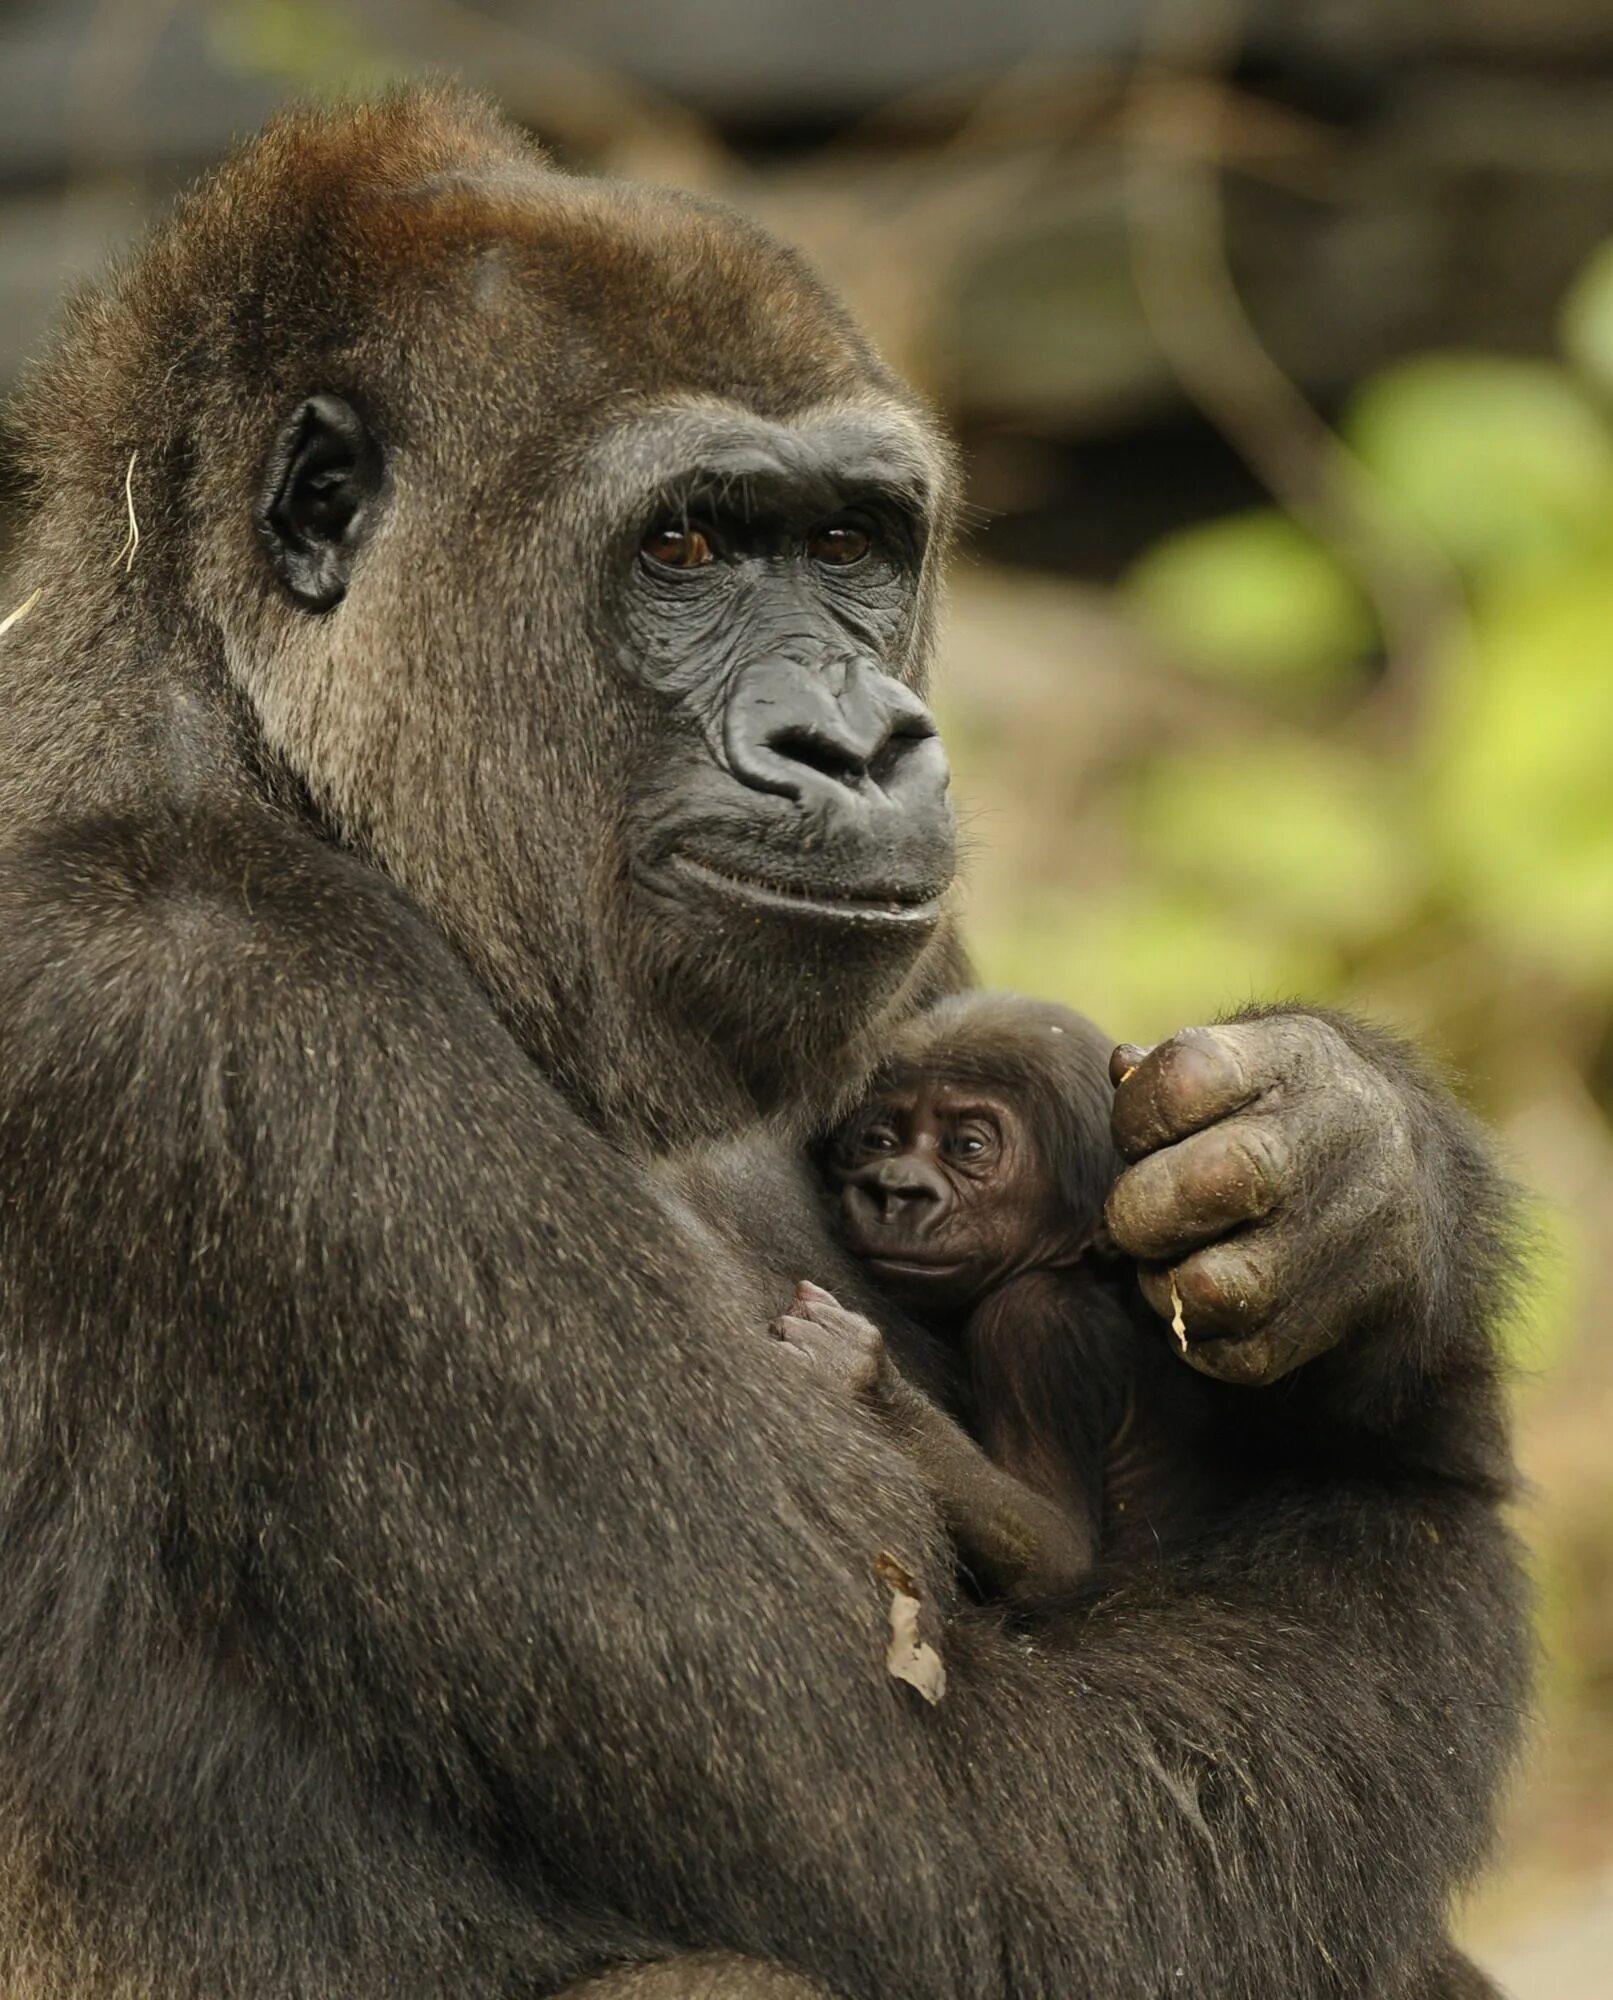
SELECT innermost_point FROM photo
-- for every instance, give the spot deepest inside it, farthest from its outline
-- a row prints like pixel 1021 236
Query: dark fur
pixel 414 1576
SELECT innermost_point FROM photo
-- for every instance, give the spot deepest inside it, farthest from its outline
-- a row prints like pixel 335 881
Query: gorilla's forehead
pixel 581 280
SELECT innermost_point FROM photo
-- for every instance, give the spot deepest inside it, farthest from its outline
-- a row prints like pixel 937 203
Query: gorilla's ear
pixel 321 483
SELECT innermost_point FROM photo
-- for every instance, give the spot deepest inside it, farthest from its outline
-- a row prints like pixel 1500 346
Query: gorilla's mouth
pixel 915 1267
pixel 887 907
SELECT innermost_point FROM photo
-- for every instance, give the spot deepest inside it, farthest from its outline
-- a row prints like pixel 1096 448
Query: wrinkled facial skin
pixel 945 1191
pixel 769 609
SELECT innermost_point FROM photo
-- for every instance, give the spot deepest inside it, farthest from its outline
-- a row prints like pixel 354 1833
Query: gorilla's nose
pixel 792 731
pixel 898 1192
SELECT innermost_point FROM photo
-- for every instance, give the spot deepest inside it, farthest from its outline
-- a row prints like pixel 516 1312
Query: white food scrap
pixel 1178 1317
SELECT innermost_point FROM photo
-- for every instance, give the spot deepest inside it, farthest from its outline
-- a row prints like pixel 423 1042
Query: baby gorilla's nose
pixel 902 1189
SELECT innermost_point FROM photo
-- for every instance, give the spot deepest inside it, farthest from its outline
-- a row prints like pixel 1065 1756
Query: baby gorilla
pixel 971 1183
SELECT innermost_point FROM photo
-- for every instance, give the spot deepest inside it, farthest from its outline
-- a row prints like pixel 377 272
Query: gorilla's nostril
pixel 901 741
pixel 817 753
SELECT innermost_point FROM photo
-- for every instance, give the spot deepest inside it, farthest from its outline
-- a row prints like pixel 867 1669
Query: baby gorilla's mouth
pixel 879 907
pixel 897 1254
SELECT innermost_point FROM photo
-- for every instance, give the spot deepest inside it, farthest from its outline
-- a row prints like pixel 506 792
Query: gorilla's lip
pixel 929 1267
pixel 885 909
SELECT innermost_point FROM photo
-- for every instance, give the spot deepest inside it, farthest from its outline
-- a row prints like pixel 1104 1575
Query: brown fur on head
pixel 536 351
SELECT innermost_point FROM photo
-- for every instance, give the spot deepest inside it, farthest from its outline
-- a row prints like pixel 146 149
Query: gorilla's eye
pixel 973 1139
pixel 678 548
pixel 877 1139
pixel 838 544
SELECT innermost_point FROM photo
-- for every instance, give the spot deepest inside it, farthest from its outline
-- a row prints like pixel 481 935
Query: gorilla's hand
pixel 1274 1196
pixel 847 1348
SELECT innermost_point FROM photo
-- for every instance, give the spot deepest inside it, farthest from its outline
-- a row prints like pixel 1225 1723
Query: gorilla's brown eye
pixel 838 545
pixel 678 548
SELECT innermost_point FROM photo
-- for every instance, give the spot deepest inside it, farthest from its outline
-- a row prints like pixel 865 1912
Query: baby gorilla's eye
pixel 878 1139
pixel 838 544
pixel 679 547
pixel 971 1141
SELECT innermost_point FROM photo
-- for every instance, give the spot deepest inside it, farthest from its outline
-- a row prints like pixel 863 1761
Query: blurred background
pixel 1280 341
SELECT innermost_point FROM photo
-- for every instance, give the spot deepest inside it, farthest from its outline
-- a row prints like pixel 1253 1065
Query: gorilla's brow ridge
pixel 835 454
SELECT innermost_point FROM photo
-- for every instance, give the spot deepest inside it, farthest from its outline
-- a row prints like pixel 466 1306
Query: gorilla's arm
pixel 555 1569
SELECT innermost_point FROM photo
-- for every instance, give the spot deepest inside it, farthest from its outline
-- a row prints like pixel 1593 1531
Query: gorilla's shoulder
pixel 167 940
pixel 185 887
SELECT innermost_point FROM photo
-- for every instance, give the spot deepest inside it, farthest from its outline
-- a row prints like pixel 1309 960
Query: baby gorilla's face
pixel 945 1191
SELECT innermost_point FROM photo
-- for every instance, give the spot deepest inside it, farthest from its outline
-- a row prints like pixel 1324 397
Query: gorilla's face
pixel 770 607
pixel 610 591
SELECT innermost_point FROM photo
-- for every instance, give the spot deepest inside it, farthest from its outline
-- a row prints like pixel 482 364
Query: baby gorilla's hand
pixel 842 1344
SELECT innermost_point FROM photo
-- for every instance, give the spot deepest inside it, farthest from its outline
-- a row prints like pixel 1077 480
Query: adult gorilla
pixel 498 768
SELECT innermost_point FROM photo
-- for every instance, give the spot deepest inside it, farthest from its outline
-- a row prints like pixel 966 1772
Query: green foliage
pixel 1308 836
pixel 1494 811
pixel 1253 600
pixel 308 47
pixel 1519 758
pixel 1143 963
pixel 1497 460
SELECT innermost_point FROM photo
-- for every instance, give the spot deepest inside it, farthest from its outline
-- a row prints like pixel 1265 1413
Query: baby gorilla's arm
pixel 1021 1544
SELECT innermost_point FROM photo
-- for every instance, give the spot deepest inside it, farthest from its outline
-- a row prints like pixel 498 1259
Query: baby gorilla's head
pixel 981 1149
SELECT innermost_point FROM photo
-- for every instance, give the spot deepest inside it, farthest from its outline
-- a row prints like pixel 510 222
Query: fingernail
pixel 807 1290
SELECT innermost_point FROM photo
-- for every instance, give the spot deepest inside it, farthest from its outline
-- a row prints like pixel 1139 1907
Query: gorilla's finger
pixel 1250 1360
pixel 834 1318
pixel 806 1295
pixel 1273 1350
pixel 1230 1288
pixel 1184 1195
pixel 1125 1059
pixel 1196 1077
pixel 806 1338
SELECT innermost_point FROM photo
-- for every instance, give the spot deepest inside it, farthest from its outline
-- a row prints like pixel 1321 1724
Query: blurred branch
pixel 1065 103
pixel 900 203
pixel 1175 159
